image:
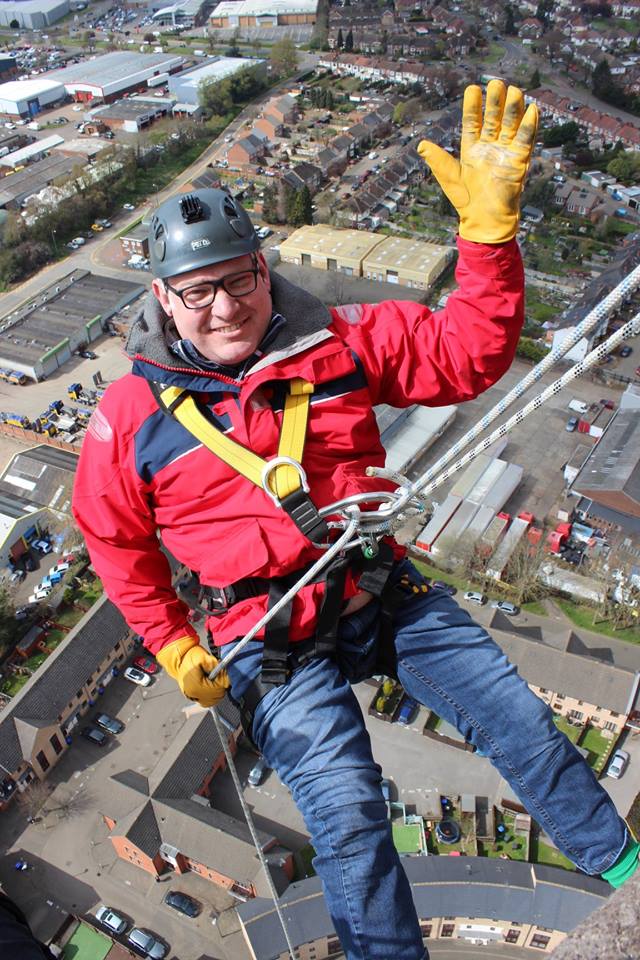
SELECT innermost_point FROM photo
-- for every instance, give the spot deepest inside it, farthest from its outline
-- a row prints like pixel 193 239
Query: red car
pixel 146 663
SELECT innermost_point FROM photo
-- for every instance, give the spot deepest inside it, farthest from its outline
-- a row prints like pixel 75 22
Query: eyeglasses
pixel 202 295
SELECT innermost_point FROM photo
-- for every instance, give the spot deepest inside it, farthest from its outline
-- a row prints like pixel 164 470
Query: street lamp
pixel 55 245
pixel 155 187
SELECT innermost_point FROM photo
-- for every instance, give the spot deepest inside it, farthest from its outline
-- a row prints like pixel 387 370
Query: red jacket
pixel 141 473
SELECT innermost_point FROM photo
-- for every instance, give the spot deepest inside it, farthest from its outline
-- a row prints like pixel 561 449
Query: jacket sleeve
pixel 412 355
pixel 112 508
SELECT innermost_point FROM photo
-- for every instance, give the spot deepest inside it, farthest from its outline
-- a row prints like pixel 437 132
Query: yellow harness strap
pixel 284 479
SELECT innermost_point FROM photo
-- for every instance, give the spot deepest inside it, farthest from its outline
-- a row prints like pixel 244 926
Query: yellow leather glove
pixel 485 184
pixel 190 664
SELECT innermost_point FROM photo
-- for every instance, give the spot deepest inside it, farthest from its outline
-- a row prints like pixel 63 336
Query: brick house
pixel 249 149
pixel 284 109
pixel 269 125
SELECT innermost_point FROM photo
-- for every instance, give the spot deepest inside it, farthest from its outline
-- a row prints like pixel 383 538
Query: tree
pixel 534 82
pixel 340 40
pixel 625 167
pixel 302 212
pixel 284 57
pixel 604 87
pixel 14 25
pixel 509 21
pixel 561 133
pixel 348 43
pixel 270 204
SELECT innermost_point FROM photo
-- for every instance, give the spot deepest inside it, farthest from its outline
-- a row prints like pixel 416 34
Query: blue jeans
pixel 311 731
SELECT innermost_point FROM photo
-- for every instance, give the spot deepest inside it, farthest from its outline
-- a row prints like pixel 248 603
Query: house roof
pixel 614 463
pixel 46 695
pixel 42 475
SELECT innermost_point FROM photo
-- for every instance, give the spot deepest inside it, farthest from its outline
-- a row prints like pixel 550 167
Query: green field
pixel 406 837
pixel 582 616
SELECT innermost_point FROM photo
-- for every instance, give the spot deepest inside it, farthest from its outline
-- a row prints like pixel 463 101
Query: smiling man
pixel 250 405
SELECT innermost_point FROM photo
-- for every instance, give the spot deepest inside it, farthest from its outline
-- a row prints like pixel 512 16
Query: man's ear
pixel 161 295
pixel 264 270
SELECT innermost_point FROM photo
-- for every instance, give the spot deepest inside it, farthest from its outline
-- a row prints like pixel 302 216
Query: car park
pixel 257 772
pixel 93 735
pixel 148 664
pixel 111 920
pixel 618 764
pixel 474 596
pixel 110 724
pixel 146 944
pixel 137 676
pixel 506 607
pixel 183 903
pixel 407 710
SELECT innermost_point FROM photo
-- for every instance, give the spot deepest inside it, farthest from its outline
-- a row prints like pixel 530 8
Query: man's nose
pixel 224 304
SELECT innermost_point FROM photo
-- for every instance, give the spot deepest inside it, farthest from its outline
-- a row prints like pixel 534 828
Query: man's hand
pixel 190 664
pixel 485 184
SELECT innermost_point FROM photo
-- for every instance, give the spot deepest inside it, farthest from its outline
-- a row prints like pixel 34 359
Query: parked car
pixel 506 607
pixel 61 567
pixel 137 676
pixel 571 424
pixel 71 245
pixel 17 576
pixel 257 772
pixel 474 596
pixel 97 227
pixel 93 735
pixel 128 206
pixel 441 585
pixel 637 371
pixel 42 546
pixel 111 920
pixel 21 613
pixel 77 107
pixel 183 903
pixel 407 710
pixel 148 664
pixel 88 355
pixel 618 764
pixel 147 944
pixel 110 724
pixel 626 351
pixel 40 593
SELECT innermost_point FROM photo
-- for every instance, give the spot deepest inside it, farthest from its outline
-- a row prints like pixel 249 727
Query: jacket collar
pixel 152 330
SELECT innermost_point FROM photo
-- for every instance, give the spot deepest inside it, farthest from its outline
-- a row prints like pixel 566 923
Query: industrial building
pixel 182 14
pixel 478 900
pixel 32 14
pixel 42 334
pixel 264 13
pixel 611 476
pixel 26 98
pixel 109 76
pixel 17 187
pixel 34 151
pixel 185 86
pixel 359 253
pixel 407 434
pixel 130 115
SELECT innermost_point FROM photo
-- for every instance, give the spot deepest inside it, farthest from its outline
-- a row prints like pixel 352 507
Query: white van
pixel 578 405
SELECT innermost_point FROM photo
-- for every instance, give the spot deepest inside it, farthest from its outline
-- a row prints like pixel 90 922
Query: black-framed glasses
pixel 203 294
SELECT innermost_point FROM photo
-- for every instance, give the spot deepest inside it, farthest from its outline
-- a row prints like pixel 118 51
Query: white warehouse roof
pixel 17 90
pixel 216 69
pixel 25 153
pixel 115 71
pixel 257 8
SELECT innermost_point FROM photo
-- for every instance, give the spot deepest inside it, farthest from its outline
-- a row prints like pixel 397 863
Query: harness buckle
pixel 272 465
pixel 274 671
pixel 216 600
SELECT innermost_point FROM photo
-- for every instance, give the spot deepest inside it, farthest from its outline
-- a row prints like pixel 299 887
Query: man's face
pixel 229 329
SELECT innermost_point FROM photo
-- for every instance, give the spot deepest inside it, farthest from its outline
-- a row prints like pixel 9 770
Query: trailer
pixel 576 461
pixel 479 524
pixel 487 481
pixel 507 547
pixel 573 584
pixel 449 537
pixel 438 522
pixel 504 488
pixel 494 532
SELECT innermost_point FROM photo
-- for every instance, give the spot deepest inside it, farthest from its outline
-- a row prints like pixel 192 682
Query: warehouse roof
pixel 414 257
pixel 614 463
pixel 214 69
pixel 37 175
pixel 113 67
pixel 26 89
pixel 256 8
pixel 330 242
pixel 42 475
pixel 38 146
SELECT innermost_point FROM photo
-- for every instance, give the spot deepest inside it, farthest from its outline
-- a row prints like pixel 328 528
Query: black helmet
pixel 195 230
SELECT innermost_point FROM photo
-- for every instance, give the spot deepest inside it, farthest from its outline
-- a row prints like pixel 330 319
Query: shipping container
pixel 504 488
pixel 406 441
pixel 445 544
pixel 439 520
pixel 499 561
pixel 487 481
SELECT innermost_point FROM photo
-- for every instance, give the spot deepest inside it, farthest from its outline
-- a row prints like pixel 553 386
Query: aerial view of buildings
pixel 122 830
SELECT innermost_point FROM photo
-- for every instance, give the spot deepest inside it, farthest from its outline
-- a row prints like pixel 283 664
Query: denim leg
pixel 450 664
pixel 311 731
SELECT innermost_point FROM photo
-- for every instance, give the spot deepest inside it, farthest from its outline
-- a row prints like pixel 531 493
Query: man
pixel 237 377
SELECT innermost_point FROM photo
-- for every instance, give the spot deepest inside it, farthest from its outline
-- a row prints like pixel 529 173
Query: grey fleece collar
pixel 152 330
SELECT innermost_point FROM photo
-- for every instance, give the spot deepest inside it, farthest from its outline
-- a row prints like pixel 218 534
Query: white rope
pixel 252 828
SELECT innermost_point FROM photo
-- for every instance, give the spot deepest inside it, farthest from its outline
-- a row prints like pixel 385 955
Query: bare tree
pixel 523 569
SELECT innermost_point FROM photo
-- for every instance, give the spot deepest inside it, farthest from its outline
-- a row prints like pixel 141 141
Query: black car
pixel 626 351
pixel 110 724
pixel 441 585
pixel 99 737
pixel 183 903
pixel 88 355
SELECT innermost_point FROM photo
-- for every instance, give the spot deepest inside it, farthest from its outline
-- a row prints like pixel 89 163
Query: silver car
pixel 257 772
pixel 618 764
pixel 110 920
pixel 147 944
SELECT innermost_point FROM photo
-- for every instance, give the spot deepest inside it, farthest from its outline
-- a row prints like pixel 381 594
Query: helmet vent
pixel 229 208
pixel 191 209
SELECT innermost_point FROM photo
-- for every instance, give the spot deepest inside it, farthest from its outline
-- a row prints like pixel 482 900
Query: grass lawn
pixel 13 685
pixel 406 837
pixel 538 309
pixel 54 638
pixel 599 748
pixel 534 606
pixel 542 852
pixel 87 944
pixel 582 616
pixel 69 617
pixel 571 732
pixel 497 849
pixel 35 661
pixel 435 574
